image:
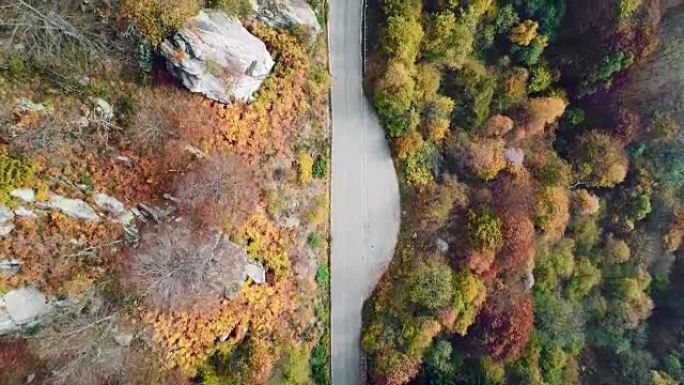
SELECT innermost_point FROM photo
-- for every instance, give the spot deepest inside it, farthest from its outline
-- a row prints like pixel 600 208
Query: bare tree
pixel 49 30
pixel 175 269
pixel 80 344
pixel 219 192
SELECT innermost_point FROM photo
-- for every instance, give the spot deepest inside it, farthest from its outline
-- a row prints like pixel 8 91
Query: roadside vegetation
pixel 88 107
pixel 542 205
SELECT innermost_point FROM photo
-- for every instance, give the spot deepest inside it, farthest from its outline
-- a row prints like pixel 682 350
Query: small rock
pixel 30 378
pixel 109 204
pixel 291 222
pixel 442 245
pixel 9 267
pixel 25 194
pixel 24 212
pixel 256 272
pixel 5 214
pixel 514 156
pixel 82 122
pixel 195 151
pixel 6 228
pixel 123 339
pixel 74 208
pixel 103 109
pixel 528 280
pixel 24 105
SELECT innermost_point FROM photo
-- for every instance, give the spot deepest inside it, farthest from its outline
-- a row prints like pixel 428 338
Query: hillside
pixel 163 192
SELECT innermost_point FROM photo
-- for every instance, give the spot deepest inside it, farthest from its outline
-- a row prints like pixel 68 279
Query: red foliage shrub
pixel 518 247
pixel 479 261
pixel 17 363
pixel 514 203
pixel 503 327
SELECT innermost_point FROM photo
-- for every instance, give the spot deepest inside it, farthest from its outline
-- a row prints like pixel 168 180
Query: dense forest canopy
pixel 542 170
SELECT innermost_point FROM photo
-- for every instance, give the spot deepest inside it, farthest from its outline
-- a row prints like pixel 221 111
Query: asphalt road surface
pixel 365 194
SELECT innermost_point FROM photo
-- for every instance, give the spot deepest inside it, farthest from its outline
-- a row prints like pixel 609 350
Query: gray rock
pixel 514 156
pixel 9 267
pixel 6 228
pixel 24 105
pixel 287 13
pixel 256 272
pixel 442 245
pixel 103 110
pixel 123 339
pixel 214 55
pixel 109 204
pixel 26 305
pixel 528 280
pixel 24 212
pixel 7 324
pixel 291 222
pixel 25 194
pixel 74 208
pixel 5 214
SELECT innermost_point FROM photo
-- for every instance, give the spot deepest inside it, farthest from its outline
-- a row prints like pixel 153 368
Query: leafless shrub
pixel 80 344
pixel 176 269
pixel 219 192
pixel 50 31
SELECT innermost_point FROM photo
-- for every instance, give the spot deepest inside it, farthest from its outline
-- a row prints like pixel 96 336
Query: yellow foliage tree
pixel 524 33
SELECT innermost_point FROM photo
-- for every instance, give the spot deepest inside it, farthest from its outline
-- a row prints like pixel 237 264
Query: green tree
pixel 506 18
pixel 431 285
pixel 600 160
pixel 540 79
pixel 483 229
pixel 393 97
pixel 402 37
pixel 668 157
pixel 296 370
pixel 469 295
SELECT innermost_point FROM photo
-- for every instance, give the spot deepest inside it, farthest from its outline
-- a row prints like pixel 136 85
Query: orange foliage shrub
pixel 552 212
pixel 53 261
pixel 267 243
pixel 139 180
pixel 186 340
pixel 497 126
pixel 407 144
pixel 479 261
pixel 266 123
pixel 540 113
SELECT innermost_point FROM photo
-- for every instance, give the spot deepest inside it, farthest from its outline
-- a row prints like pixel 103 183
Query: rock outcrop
pixel 74 208
pixel 286 13
pixel 214 55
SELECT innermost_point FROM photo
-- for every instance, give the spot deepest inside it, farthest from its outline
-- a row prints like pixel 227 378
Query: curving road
pixel 365 194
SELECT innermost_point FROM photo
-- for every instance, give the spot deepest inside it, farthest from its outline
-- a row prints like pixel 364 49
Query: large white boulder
pixel 287 13
pixel 214 55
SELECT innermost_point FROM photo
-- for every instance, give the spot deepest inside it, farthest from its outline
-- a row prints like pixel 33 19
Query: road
pixel 365 193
